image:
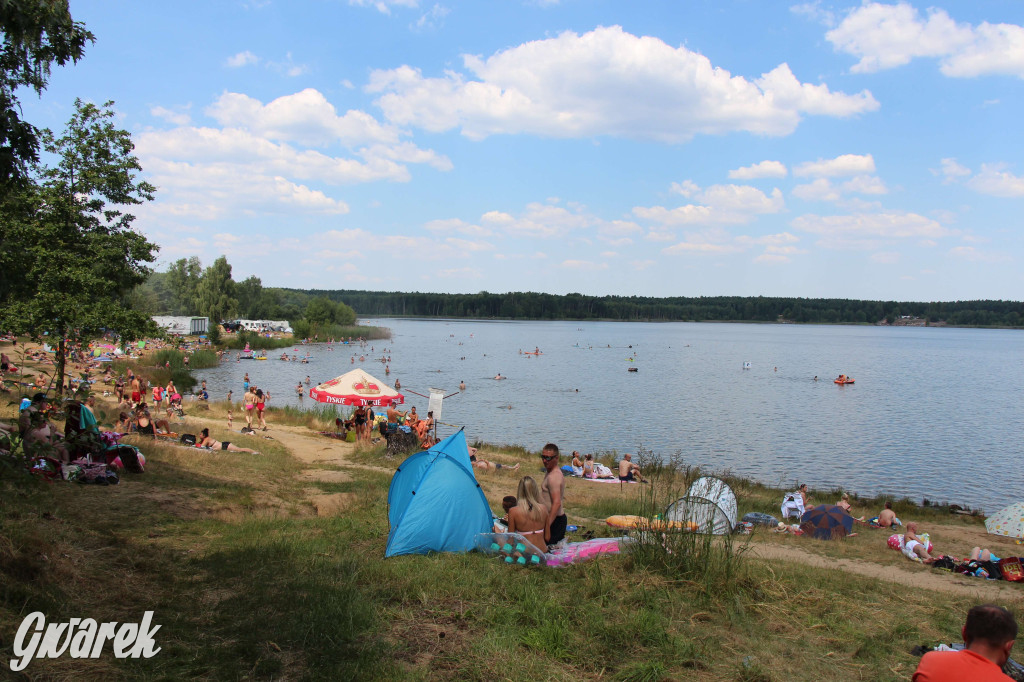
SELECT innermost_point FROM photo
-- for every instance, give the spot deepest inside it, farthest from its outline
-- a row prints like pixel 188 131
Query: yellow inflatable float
pixel 643 523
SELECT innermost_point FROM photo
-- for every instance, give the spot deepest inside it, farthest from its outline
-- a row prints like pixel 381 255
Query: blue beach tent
pixel 435 503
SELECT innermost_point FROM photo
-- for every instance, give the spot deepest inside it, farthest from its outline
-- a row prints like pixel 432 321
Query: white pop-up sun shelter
pixel 709 503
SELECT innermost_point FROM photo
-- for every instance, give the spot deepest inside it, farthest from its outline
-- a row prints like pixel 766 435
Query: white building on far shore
pixel 183 325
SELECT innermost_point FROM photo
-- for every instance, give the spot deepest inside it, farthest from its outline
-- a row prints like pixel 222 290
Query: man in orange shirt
pixel 989 634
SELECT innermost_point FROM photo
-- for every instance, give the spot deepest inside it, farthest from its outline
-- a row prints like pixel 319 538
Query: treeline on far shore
pixel 540 306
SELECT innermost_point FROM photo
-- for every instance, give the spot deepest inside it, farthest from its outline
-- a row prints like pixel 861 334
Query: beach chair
pixel 792 505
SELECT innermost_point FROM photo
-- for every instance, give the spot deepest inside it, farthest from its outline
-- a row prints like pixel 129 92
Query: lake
pixel 934 412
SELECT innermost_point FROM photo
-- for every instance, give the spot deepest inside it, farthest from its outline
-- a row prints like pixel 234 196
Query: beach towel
pixel 792 505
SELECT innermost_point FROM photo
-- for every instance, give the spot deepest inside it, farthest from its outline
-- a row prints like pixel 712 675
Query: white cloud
pixel 497 218
pixel 977 255
pixel 847 164
pixel 258 157
pixel 605 82
pixel 641 264
pixel 469 245
pixel 687 188
pixel 864 230
pixel 996 182
pixel 699 247
pixel 717 204
pixel 618 228
pixel 583 265
pixel 951 170
pixel 819 190
pixel 765 169
pixel 886 36
pixel 180 118
pixel 660 236
pixel 886 257
pixel 457 225
pixel 384 6
pixel 432 19
pixel 305 117
pixel 240 152
pixel 815 12
pixel 457 273
pixel 241 59
pixel 865 184
pixel 717 241
pixel 541 220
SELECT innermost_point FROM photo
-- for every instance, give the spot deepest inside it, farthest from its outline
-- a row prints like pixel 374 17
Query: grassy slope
pixel 248 582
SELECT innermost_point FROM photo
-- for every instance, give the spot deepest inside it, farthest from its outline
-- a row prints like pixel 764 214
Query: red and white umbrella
pixel 356 388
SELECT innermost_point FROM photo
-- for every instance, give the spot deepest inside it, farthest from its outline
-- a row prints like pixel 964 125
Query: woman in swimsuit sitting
pixel 588 466
pixel 577 464
pixel 529 516
pixel 143 424
pixel 208 442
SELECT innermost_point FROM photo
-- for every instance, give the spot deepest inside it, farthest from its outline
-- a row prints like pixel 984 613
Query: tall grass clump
pixel 317 416
pixel 167 357
pixel 203 359
pixel 712 563
pixel 168 365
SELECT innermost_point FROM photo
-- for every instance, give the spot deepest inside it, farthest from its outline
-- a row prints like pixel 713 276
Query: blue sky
pixel 661 148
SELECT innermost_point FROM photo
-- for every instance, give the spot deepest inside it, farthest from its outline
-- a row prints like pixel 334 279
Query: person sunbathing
pixel 913 546
pixel 213 444
pixel 529 516
pixel 485 464
pixel 979 554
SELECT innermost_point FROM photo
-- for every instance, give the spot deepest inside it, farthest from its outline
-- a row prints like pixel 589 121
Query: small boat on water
pixel 843 380
pixel 632 369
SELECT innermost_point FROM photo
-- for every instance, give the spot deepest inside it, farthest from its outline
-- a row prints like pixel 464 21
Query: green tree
pixel 215 294
pixel 253 302
pixel 344 315
pixel 65 233
pixel 183 281
pixel 36 34
pixel 320 311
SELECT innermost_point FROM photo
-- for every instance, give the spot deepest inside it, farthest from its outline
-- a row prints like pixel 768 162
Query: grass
pixel 248 582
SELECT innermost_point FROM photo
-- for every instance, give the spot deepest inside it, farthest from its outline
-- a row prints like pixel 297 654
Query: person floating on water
pixel 498 377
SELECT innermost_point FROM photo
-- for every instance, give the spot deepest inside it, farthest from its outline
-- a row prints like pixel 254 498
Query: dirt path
pixel 912 575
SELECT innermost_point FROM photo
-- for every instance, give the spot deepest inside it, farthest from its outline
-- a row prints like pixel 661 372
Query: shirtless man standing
pixel 553 491
pixel 393 416
pixel 136 391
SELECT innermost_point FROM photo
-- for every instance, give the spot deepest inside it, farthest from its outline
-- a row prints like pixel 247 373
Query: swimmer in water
pixel 499 377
